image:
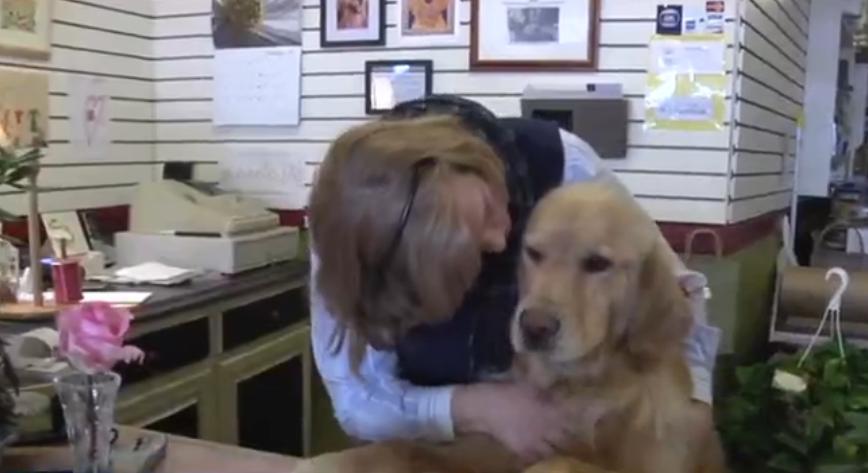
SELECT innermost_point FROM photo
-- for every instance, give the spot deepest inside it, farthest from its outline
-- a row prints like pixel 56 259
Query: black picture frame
pixel 327 6
pixel 373 66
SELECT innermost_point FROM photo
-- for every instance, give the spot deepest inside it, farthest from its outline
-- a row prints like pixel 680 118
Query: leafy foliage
pixel 15 167
pixel 823 429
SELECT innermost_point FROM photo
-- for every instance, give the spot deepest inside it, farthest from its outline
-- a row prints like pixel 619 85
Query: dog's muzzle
pixel 539 328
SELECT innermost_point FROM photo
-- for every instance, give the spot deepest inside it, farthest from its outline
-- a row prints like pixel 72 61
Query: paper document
pixel 686 108
pixel 119 298
pixel 688 57
pixel 257 86
pixel 277 180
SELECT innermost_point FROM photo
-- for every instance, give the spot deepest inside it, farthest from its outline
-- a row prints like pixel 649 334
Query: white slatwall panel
pixel 770 82
pixel 111 39
pixel 678 176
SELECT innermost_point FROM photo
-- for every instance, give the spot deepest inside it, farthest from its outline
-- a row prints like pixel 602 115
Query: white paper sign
pixel 686 109
pixel 688 57
pixel 257 86
pixel 279 180
pixel 90 116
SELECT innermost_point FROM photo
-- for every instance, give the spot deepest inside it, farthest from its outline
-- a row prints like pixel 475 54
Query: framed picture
pixel 256 23
pixel 66 226
pixel 25 28
pixel 25 94
pixel 429 23
pixel 352 23
pixel 388 83
pixel 534 34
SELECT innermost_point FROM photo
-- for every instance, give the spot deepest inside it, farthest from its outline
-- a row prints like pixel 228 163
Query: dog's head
pixel 596 280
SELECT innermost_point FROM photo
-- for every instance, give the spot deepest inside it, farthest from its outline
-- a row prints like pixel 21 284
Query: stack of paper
pixel 115 298
pixel 155 273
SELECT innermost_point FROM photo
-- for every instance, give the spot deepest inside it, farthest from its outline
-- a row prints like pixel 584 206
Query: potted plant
pixel 16 167
pixel 791 417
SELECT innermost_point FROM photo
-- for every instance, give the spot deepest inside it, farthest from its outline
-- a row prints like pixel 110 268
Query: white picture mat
pixel 371 33
pixel 446 39
pixel 39 40
pixel 391 87
pixel 574 32
pixel 257 86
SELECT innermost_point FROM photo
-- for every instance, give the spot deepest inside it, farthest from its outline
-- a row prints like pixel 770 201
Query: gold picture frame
pixel 25 28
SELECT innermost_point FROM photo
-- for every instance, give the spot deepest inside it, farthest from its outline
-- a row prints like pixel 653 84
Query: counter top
pixel 203 290
pixel 183 455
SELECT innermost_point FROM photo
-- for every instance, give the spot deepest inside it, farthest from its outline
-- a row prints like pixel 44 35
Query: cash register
pixel 196 226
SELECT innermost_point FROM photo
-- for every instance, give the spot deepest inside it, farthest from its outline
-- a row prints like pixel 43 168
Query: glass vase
pixel 88 408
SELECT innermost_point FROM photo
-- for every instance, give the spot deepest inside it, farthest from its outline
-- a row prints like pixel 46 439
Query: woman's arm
pixel 581 163
pixel 374 404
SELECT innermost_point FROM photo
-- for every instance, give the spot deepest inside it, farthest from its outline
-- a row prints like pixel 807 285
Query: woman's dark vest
pixel 475 342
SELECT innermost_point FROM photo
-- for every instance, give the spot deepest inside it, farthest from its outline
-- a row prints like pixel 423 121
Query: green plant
pixel 16 166
pixel 823 429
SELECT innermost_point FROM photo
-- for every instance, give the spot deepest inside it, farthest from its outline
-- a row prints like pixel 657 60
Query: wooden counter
pixel 228 360
pixel 184 455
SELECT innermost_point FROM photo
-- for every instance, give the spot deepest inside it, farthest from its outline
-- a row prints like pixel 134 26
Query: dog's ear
pixel 661 317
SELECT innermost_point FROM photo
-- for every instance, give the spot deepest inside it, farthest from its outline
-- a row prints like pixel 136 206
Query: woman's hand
pixel 517 417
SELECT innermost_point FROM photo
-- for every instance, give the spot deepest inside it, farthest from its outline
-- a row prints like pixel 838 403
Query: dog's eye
pixel 534 254
pixel 596 264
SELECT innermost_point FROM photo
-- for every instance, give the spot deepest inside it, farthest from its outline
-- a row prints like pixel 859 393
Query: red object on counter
pixel 67 276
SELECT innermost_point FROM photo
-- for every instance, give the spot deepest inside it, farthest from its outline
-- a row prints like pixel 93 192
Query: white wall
pixel 110 39
pixel 157 54
pixel 681 177
pixel 770 91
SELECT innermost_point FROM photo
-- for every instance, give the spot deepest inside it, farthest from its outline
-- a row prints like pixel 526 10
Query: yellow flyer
pixel 686 84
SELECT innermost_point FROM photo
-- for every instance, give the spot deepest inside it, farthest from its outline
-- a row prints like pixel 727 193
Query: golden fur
pixel 352 14
pixel 429 15
pixel 595 263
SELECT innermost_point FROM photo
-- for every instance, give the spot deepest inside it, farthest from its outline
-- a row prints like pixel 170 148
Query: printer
pixel 194 226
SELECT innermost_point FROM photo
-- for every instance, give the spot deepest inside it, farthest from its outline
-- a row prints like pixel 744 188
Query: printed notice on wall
pixel 276 179
pixel 89 116
pixel 257 86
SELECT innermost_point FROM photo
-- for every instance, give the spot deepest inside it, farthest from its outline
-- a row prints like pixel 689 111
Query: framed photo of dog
pixel 429 22
pixel 534 34
pixel 352 23
pixel 25 28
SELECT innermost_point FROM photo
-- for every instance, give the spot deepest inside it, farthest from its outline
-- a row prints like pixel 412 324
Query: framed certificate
pixel 534 34
pixel 388 83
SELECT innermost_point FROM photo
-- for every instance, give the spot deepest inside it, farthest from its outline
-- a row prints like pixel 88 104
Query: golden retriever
pixel 601 322
pixel 352 14
pixel 429 16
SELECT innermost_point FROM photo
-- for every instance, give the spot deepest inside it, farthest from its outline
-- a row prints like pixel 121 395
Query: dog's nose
pixel 538 328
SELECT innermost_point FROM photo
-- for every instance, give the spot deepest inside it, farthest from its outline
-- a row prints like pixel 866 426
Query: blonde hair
pixel 355 211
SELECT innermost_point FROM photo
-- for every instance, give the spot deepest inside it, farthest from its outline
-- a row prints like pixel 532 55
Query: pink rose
pixel 92 336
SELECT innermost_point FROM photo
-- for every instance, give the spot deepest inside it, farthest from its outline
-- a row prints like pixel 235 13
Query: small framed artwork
pixel 534 35
pixel 352 23
pixel 388 83
pixel 429 23
pixel 66 233
pixel 25 28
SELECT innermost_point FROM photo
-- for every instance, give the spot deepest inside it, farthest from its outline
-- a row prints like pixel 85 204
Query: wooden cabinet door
pixel 264 393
